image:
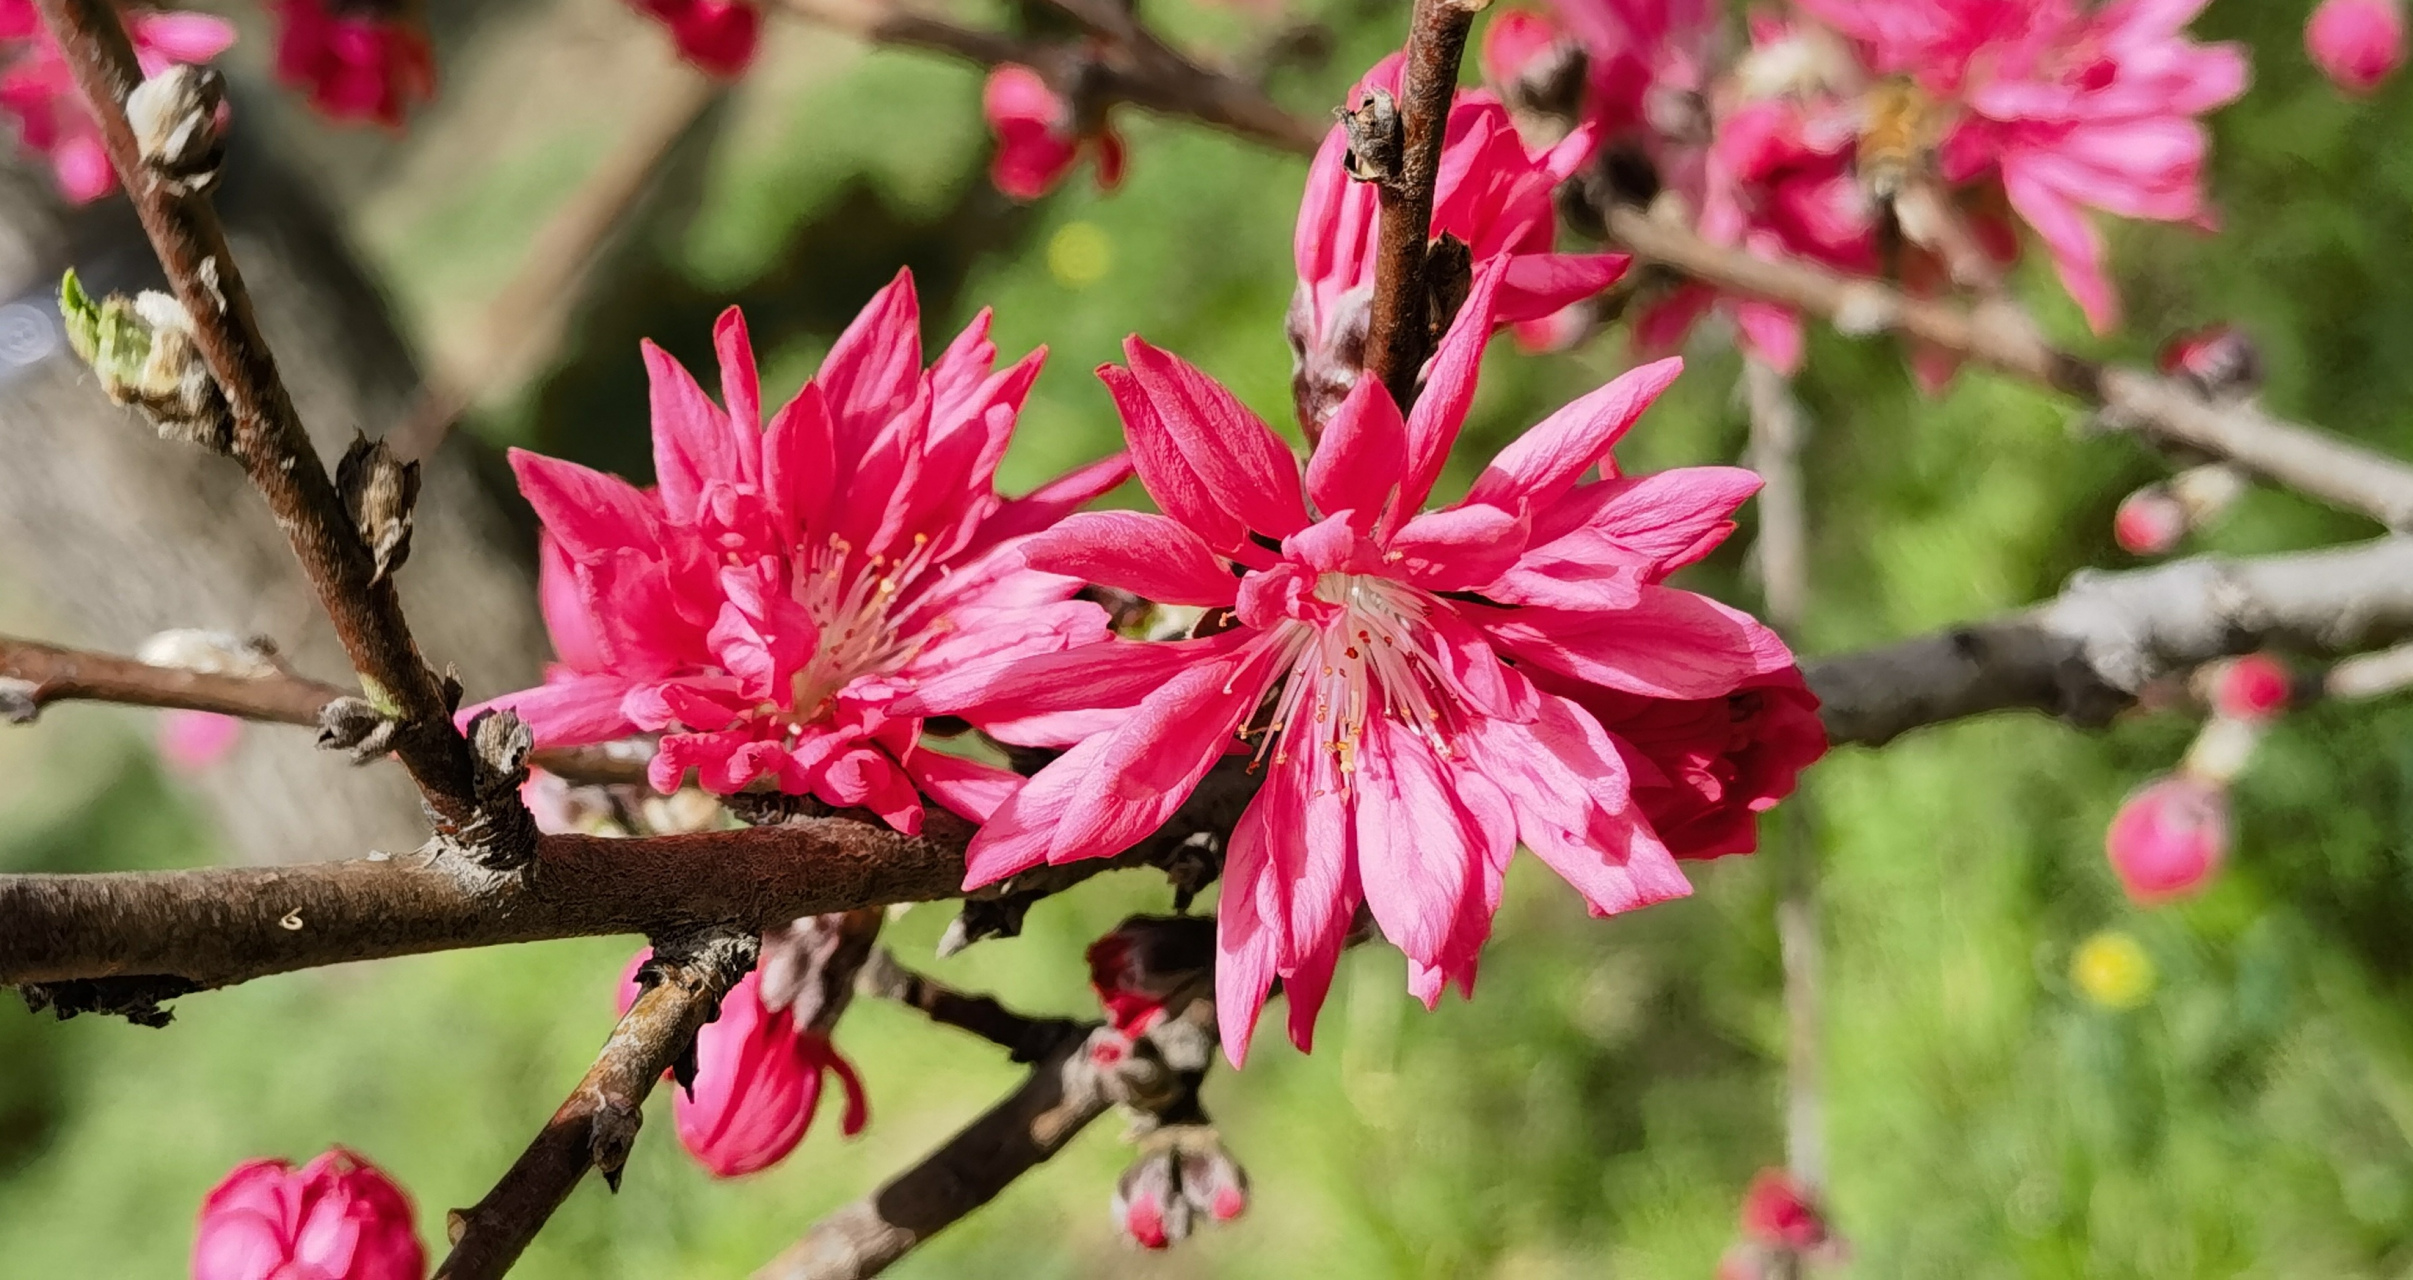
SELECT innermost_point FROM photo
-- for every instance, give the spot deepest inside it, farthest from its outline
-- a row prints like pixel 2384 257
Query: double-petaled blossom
pixel 37 87
pixel 1040 135
pixel 1492 192
pixel 758 1081
pixel 2357 43
pixel 356 61
pixel 767 602
pixel 2073 108
pixel 717 37
pixel 1373 658
pixel 335 1218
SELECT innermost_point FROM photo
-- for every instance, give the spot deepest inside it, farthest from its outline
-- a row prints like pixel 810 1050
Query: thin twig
pixel 2303 458
pixel 48 674
pixel 275 450
pixel 597 1124
pixel 1148 74
pixel 1399 332
pixel 1027 1038
pixel 523 324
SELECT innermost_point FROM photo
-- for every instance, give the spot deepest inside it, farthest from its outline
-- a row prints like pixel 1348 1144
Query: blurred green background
pixel 1598 1109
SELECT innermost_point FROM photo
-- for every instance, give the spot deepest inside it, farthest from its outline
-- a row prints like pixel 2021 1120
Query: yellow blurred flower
pixel 1079 254
pixel 2113 970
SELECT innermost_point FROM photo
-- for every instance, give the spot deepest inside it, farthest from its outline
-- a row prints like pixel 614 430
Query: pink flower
pixel 2168 838
pixel 337 1218
pixel 1779 1214
pixel 194 741
pixel 37 89
pixel 766 604
pixel 2150 521
pixel 1704 770
pixel 356 63
pixel 758 1081
pixel 2356 43
pixel 717 37
pixel 1372 657
pixel 1492 193
pixel 1040 135
pixel 1532 63
pixel 2255 687
pixel 1646 62
pixel 2073 108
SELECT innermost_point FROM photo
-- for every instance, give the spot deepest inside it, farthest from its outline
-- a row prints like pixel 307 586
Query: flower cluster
pixel 38 92
pixel 356 61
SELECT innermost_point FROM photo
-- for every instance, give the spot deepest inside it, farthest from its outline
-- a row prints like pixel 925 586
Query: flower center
pixel 850 601
pixel 1373 657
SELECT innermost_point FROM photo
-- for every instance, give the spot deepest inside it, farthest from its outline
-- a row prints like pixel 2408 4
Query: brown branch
pixel 1027 1038
pixel 2305 459
pixel 595 1127
pixel 1399 333
pixel 523 323
pixel 275 450
pixel 1144 72
pixel 50 674
pixel 2085 654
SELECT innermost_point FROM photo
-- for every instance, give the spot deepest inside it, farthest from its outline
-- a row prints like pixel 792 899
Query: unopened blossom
pixel 2168 837
pixel 2255 687
pixel 1370 657
pixel 2219 361
pixel 1778 1213
pixel 1148 968
pixel 195 741
pixel 1493 193
pixel 38 91
pixel 766 603
pixel 2073 108
pixel 1040 135
pixel 2357 43
pixel 357 61
pixel 759 1076
pixel 2150 521
pixel 717 37
pixel 335 1218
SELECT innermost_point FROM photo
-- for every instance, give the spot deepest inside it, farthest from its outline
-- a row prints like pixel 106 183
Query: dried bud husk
pixel 1374 138
pixel 353 726
pixel 143 350
pixel 379 491
pixel 1449 276
pixel 213 653
pixel 18 704
pixel 503 833
pixel 175 119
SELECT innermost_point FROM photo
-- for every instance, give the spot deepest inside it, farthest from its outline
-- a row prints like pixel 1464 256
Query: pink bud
pixel 1148 1207
pixel 337 1218
pixel 717 36
pixel 1040 135
pixel 193 741
pixel 2149 522
pixel 2168 837
pixel 1211 1180
pixel 2219 360
pixel 2356 43
pixel 2254 687
pixel 758 1082
pixel 1779 1214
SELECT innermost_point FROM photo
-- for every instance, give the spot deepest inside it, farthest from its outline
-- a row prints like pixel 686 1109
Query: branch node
pixel 20 700
pixel 175 117
pixel 356 727
pixel 1374 138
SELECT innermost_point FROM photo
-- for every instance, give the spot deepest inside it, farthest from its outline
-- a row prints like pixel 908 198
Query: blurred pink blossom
pixel 1039 135
pixel 2357 43
pixel 336 1218
pixel 2169 837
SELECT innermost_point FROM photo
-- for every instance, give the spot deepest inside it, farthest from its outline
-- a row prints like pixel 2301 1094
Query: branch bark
pixel 1028 1039
pixel 1143 71
pixel 597 1124
pixel 271 444
pixel 1398 333
pixel 1997 334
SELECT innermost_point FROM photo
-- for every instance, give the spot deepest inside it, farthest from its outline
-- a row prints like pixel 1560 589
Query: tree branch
pixel 1142 70
pixel 2306 459
pixel 2086 653
pixel 597 1124
pixel 1399 333
pixel 1028 1039
pixel 274 449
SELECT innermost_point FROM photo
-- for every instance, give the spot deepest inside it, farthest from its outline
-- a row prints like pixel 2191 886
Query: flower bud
pixel 2149 522
pixel 1213 1182
pixel 758 1082
pixel 2219 361
pixel 1148 1208
pixel 2255 687
pixel 1778 1213
pixel 336 1218
pixel 1151 966
pixel 2356 43
pixel 217 653
pixel 379 490
pixel 2168 837
pixel 176 117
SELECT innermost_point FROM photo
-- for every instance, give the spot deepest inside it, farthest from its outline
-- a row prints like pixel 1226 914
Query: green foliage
pixel 1599 1108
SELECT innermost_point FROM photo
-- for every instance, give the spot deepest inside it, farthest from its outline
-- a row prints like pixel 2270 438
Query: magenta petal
pixel 586 511
pixel 1150 555
pixel 800 464
pixel 693 443
pixel 967 787
pixel 1412 855
pixel 872 371
pixel 1112 674
pixel 1538 284
pixel 568 710
pixel 1017 835
pixel 1546 461
pixel 1672 644
pixel 1363 456
pixel 1238 461
pixel 741 389
pixel 1586 570
pixel 1449 389
pixel 1673 517
pixel 1459 547
pixel 1149 765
